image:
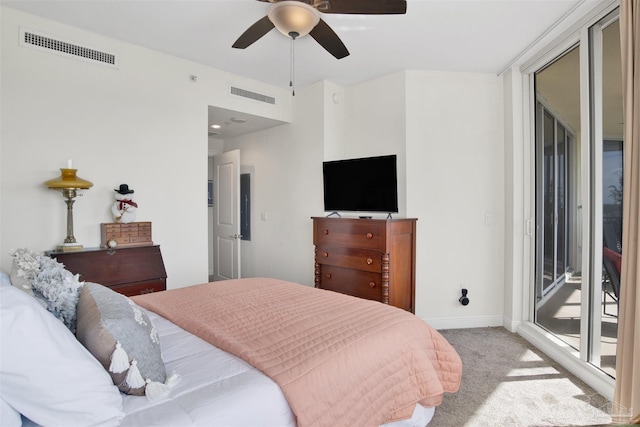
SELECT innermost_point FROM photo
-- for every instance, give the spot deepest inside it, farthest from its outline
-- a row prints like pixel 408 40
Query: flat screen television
pixel 368 184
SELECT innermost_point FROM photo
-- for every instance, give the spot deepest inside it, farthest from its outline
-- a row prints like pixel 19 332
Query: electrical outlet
pixel 464 299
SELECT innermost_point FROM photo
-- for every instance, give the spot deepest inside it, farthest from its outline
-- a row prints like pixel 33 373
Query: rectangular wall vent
pixel 252 95
pixel 33 39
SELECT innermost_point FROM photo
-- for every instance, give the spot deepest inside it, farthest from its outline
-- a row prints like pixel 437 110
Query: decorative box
pixel 115 234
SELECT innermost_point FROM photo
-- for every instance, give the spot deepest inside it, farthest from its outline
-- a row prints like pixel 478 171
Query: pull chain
pixel 293 35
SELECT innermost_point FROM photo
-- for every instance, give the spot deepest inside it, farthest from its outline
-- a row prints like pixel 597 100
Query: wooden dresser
pixel 129 271
pixel 367 258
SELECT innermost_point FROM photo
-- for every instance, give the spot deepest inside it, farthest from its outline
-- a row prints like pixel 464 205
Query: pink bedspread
pixel 339 360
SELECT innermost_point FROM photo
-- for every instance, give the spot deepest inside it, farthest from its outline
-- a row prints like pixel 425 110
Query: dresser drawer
pixel 111 231
pixel 138 239
pixel 140 288
pixel 111 267
pixel 341 256
pixel 356 283
pixel 356 234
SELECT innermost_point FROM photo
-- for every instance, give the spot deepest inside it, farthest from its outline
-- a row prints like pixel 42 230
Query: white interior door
pixel 226 215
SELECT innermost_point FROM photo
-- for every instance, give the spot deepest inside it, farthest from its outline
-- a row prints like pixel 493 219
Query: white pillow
pixel 9 417
pixel 4 279
pixel 46 374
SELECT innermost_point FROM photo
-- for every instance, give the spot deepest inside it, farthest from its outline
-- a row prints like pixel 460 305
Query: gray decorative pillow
pixel 120 335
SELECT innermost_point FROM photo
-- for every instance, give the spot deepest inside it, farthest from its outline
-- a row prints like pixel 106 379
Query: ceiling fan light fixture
pixel 293 17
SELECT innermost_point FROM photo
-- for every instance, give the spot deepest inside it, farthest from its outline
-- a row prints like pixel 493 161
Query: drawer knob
pixel 372 285
pixel 369 261
pixel 328 275
pixel 325 232
pixel 369 235
pixel 325 254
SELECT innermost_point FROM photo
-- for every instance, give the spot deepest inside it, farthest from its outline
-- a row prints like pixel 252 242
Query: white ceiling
pixel 449 35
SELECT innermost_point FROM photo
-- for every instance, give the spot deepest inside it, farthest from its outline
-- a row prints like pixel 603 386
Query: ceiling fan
pixel 297 18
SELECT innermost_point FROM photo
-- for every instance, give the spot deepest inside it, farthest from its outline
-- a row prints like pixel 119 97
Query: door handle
pixel 236 236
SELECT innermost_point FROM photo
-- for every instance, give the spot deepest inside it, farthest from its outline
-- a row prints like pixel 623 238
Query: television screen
pixel 367 185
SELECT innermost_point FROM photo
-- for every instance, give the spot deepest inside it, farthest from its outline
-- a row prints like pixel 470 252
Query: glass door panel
pixel 561 165
pixel 610 201
pixel 549 204
pixel 558 282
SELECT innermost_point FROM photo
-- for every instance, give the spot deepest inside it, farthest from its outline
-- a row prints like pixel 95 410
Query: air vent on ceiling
pixel 33 39
pixel 252 95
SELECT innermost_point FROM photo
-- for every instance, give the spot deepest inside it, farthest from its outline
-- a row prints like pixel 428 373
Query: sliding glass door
pixel 578 169
pixel 607 209
pixel 558 278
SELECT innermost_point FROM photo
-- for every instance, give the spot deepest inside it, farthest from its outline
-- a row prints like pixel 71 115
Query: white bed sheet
pixel 216 388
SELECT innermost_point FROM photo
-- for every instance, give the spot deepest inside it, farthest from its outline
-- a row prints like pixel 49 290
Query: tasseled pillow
pixel 121 336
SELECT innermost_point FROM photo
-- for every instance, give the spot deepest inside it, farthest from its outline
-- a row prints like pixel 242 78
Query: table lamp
pixel 69 184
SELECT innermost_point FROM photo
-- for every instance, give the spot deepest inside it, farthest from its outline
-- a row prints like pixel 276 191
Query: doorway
pixel 230 129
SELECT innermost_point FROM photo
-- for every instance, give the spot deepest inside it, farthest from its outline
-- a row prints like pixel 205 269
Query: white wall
pixel 375 125
pixel 334 121
pixel 144 124
pixel 446 129
pixel 455 183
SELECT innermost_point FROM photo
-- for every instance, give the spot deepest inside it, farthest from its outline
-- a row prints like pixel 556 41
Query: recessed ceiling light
pixel 215 126
pixel 238 120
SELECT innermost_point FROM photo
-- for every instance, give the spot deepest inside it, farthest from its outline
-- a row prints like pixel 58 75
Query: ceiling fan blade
pixel 329 40
pixel 253 33
pixel 362 7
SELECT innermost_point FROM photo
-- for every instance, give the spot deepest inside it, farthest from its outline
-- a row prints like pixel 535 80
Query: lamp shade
pixel 68 180
pixel 293 17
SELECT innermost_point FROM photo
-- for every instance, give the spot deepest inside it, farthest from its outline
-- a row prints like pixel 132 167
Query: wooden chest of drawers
pixel 129 271
pixel 131 234
pixel 367 258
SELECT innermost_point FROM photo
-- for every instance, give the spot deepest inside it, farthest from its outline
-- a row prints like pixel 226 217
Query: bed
pixel 229 361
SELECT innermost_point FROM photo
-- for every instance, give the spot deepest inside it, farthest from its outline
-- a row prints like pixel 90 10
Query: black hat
pixel 124 189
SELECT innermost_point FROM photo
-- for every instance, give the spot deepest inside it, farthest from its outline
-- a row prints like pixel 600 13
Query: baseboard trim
pixel 568 358
pixel 464 322
pixel 511 325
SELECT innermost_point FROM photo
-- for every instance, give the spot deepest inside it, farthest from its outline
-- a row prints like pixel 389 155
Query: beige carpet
pixel 506 382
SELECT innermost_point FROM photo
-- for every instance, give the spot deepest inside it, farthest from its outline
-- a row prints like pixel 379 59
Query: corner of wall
pixel 514 233
pixel 334 121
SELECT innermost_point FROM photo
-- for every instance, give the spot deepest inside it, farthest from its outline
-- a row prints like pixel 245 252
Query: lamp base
pixel 70 247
